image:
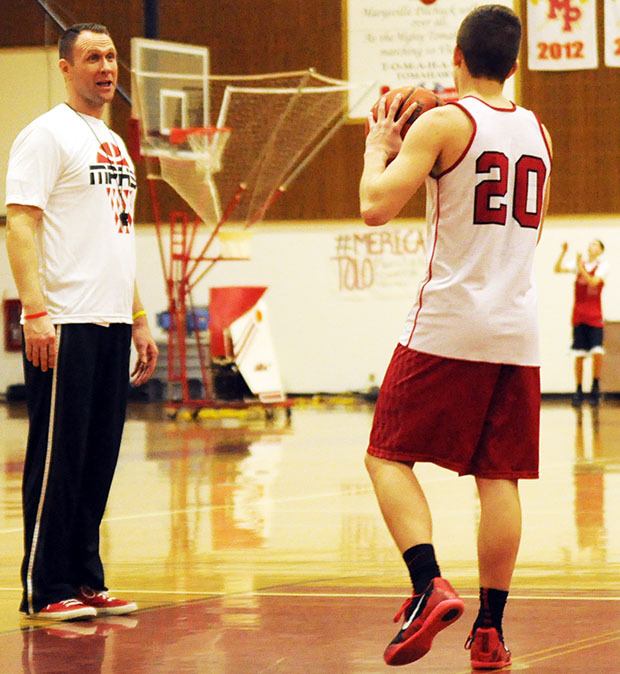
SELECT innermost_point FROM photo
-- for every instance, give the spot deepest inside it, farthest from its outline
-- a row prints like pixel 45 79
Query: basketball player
pixel 70 239
pixel 587 316
pixel 462 389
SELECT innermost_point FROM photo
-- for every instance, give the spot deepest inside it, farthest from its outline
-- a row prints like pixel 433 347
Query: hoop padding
pixel 235 243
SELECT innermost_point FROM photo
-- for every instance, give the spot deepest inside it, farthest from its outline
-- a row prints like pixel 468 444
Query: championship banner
pixel 401 43
pixel 612 33
pixel 562 34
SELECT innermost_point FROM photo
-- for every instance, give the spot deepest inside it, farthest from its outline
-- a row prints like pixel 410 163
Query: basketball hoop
pixel 206 143
pixel 235 244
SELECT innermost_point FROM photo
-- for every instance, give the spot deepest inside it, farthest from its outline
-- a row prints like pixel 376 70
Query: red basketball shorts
pixel 474 418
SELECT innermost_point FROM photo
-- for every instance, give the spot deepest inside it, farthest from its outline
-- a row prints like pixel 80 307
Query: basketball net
pixel 206 143
pixel 189 166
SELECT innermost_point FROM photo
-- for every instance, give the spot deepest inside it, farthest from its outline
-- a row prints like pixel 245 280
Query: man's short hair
pixel 489 38
pixel 71 34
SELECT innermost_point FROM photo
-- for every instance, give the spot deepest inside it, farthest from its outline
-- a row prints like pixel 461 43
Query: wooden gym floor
pixel 255 548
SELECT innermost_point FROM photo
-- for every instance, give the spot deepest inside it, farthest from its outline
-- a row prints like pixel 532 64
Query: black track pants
pixel 76 413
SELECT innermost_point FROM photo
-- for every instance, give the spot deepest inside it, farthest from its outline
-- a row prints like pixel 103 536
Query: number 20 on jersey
pixel 527 191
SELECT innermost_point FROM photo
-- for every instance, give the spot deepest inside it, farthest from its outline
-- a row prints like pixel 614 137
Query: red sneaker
pixel 425 615
pixel 104 604
pixel 67 609
pixel 488 650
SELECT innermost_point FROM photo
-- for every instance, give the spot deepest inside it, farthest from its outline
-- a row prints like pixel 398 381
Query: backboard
pixel 170 89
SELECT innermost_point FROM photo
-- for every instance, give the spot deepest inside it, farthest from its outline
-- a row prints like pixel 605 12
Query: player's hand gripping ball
pixel 424 99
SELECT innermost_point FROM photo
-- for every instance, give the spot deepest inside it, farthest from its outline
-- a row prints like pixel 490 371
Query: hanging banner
pixel 612 33
pixel 562 34
pixel 400 43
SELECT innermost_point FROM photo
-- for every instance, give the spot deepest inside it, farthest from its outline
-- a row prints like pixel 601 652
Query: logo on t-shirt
pixel 113 171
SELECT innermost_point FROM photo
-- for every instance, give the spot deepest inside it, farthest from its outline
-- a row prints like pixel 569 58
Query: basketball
pixel 424 98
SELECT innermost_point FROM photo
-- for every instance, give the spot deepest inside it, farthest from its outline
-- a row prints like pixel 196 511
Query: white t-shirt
pixel 78 171
pixel 478 299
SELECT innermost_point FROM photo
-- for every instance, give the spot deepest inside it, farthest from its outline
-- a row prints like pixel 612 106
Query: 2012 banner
pixel 612 33
pixel 562 34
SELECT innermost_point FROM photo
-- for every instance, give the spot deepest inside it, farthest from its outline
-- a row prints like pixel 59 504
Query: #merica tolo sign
pixel 386 263
pixel 398 43
pixel 562 34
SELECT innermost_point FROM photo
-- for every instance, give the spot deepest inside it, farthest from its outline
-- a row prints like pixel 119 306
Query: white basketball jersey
pixel 478 298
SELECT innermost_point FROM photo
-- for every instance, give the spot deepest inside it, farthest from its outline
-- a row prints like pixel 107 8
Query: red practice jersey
pixel 587 307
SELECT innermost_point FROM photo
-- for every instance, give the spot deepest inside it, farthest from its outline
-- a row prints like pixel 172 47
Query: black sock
pixel 595 385
pixel 579 389
pixel 491 613
pixel 422 565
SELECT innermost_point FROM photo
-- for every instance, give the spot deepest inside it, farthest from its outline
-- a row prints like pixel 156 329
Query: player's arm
pixel 144 343
pixel 560 267
pixel 39 334
pixel 384 190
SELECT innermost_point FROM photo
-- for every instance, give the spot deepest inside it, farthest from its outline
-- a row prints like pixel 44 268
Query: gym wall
pixel 579 108
pixel 313 324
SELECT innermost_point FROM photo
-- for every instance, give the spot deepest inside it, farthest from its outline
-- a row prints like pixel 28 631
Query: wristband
pixel 138 314
pixel 40 314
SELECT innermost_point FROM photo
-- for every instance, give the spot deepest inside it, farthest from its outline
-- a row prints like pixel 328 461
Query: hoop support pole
pixel 190 246
pixel 205 271
pixel 203 353
pixel 157 216
pixel 228 211
pixel 269 202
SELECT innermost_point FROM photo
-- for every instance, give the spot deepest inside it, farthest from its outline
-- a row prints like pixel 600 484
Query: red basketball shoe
pixel 487 649
pixel 104 604
pixel 67 609
pixel 425 615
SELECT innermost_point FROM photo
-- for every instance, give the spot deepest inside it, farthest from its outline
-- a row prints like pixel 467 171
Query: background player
pixel 587 318
pixel 462 389
pixel 70 240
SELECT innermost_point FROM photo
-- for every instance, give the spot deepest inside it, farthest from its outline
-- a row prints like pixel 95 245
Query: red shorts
pixel 475 418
